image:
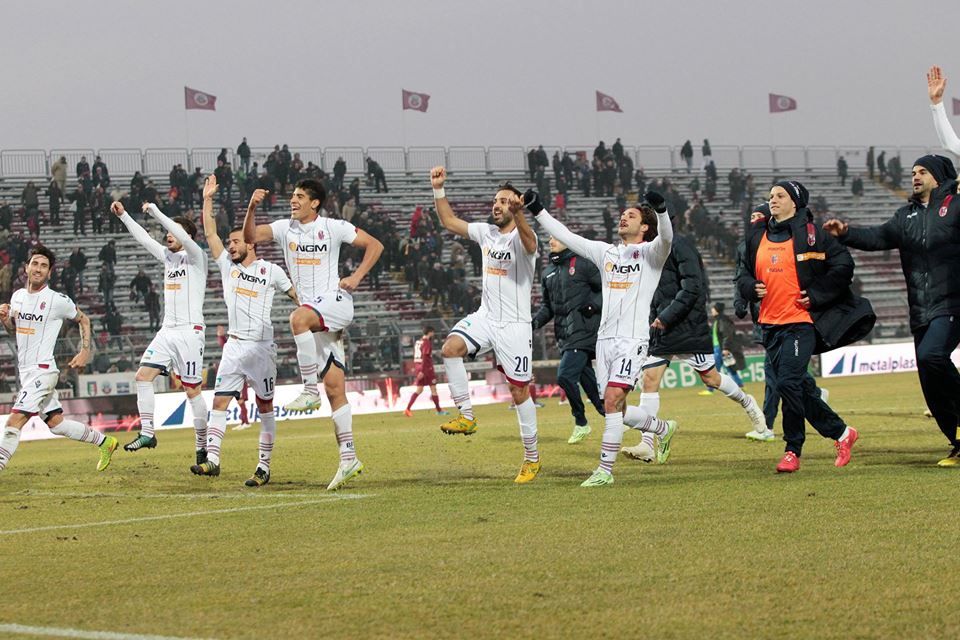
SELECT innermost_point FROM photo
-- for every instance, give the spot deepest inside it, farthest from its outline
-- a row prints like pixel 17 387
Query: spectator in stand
pixel 608 224
pixel 542 160
pixel 100 179
pixel 68 281
pixel 339 171
pixel 895 169
pixel 140 285
pixel 842 170
pixel 113 324
pixel 585 179
pixel 149 193
pixel 136 190
pixel 882 166
pixel 349 209
pixel 600 152
pixel 58 172
pixel 79 262
pixel 98 163
pixel 856 188
pixel 30 199
pixel 284 160
pixel 557 167
pixel 108 254
pixel 243 152
pixel 83 167
pixel 870 162
pixel 354 191
pixel 686 152
pixel 106 283
pixel 376 175
pixel 222 156
pixel 224 175
pixel 151 301
pixel 707 152
pixel 99 209
pixel 532 163
pixel 56 199
pixel 296 169
pixel 6 282
pixel 6 216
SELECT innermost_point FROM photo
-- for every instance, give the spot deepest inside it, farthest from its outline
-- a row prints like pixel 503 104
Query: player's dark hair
pixel 315 190
pixel 427 329
pixel 41 250
pixel 188 225
pixel 648 216
pixel 508 186
pixel 239 228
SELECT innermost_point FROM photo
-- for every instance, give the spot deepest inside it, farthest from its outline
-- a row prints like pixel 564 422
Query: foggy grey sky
pixel 110 73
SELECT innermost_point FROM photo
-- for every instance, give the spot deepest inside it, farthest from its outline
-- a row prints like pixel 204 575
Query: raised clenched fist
pixel 117 209
pixel 438 175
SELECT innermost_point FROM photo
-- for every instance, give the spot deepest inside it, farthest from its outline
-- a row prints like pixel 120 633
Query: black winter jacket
pixel 825 271
pixel 572 297
pixel 680 303
pixel 929 242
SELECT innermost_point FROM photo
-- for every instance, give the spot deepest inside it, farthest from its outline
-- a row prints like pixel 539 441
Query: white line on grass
pixel 58 632
pixel 185 515
pixel 29 493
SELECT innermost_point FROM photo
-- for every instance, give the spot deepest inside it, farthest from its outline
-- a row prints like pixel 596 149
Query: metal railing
pixel 34 163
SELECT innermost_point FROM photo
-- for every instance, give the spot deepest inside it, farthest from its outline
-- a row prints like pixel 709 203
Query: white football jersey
pixel 248 292
pixel 312 253
pixel 38 317
pixel 629 273
pixel 507 273
pixel 184 274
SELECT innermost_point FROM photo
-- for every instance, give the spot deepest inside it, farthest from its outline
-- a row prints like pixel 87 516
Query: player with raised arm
pixel 178 346
pixel 311 250
pixel 250 354
pixel 35 315
pixel 426 376
pixel 936 83
pixel 502 324
pixel 630 273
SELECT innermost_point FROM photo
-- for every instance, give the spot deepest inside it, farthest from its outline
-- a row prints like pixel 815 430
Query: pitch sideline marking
pixel 29 493
pixel 59 632
pixel 188 514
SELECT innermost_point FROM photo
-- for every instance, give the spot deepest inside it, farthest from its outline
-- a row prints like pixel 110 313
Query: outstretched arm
pixel 253 232
pixel 936 83
pixel 449 220
pixel 372 248
pixel 189 244
pixel 592 250
pixel 138 232
pixel 209 220
pixel 528 237
pixel 660 247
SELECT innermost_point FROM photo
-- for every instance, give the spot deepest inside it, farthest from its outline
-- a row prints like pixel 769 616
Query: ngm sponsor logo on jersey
pixel 501 255
pixel 624 270
pixel 246 277
pixel 309 249
pixel 30 317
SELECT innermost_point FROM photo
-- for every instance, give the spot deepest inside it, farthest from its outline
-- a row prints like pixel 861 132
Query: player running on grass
pixel 178 347
pixel 502 324
pixel 630 272
pixel 426 376
pixel 311 250
pixel 35 314
pixel 249 284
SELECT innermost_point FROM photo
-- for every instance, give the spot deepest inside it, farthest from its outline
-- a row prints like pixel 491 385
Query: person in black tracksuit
pixel 572 298
pixel 927 232
pixel 801 277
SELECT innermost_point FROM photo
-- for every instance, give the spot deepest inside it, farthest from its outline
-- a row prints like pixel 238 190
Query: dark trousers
pixel 789 348
pixel 771 397
pixel 575 369
pixel 939 379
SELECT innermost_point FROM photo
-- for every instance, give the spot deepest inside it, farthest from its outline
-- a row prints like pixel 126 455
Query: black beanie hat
pixel 940 167
pixel 797 192
pixel 719 306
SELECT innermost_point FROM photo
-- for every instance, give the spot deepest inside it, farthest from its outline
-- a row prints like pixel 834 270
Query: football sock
pixel 76 431
pixel 436 402
pixel 459 385
pixel 649 402
pixel 527 417
pixel 307 359
pixel 343 426
pixel 199 407
pixel 215 431
pixel 637 418
pixel 8 444
pixel 268 433
pixel 611 441
pixel 145 403
pixel 413 398
pixel 730 389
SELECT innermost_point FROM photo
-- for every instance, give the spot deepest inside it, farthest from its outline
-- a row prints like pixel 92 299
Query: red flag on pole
pixel 607 103
pixel 782 103
pixel 956 107
pixel 199 100
pixel 415 101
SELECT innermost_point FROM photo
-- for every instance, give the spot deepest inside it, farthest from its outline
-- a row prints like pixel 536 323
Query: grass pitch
pixel 435 540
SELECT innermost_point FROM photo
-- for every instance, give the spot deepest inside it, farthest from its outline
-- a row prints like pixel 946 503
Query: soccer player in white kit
pixel 311 250
pixel 35 315
pixel 630 274
pixel 502 324
pixel 178 347
pixel 249 284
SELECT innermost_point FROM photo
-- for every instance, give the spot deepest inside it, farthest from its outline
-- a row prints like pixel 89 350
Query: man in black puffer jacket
pixel 801 277
pixel 680 329
pixel 927 232
pixel 572 298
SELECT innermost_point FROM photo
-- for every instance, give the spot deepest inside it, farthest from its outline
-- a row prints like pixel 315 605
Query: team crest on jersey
pixel 43 305
pixel 263 271
pixel 774 259
pixel 320 235
pixel 636 254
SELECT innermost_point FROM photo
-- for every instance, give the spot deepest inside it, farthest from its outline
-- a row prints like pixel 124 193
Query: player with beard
pixel 630 272
pixel 35 314
pixel 502 324
pixel 311 250
pixel 249 354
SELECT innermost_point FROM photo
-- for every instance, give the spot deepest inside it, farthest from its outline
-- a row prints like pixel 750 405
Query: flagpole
pixel 186 129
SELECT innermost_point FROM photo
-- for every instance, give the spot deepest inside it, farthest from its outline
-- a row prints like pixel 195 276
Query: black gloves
pixel 740 310
pixel 531 201
pixel 588 310
pixel 656 201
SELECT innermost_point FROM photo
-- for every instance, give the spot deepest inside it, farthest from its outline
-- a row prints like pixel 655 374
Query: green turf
pixel 713 544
